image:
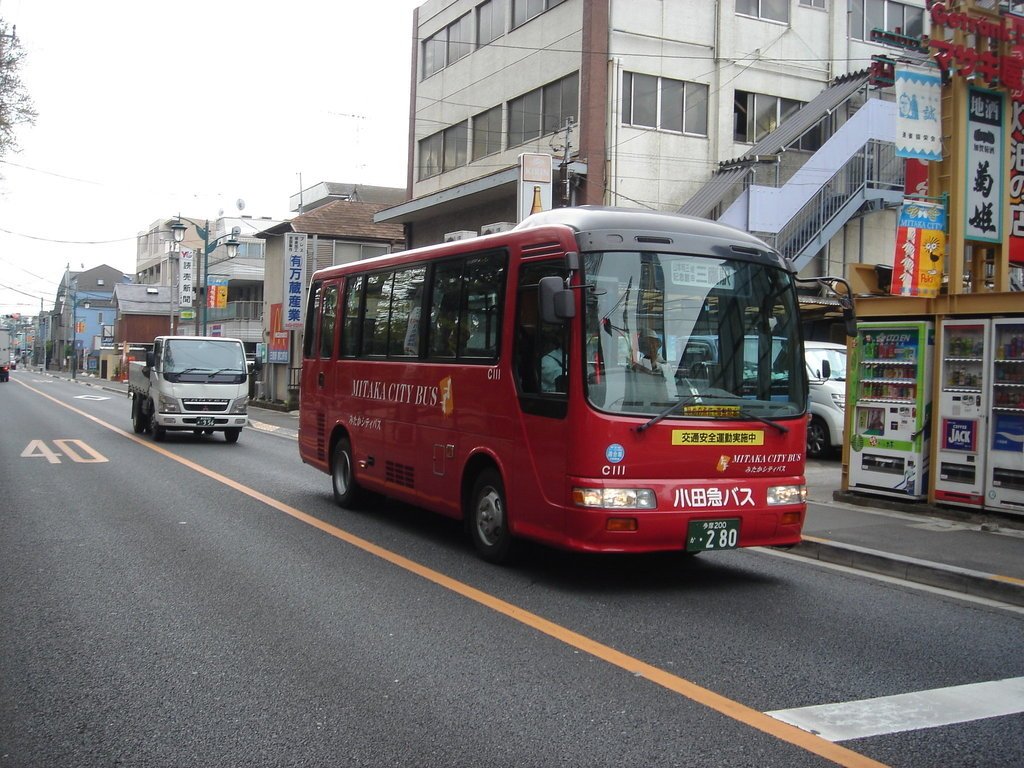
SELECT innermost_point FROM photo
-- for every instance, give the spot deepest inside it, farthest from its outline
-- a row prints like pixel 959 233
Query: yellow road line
pixel 698 694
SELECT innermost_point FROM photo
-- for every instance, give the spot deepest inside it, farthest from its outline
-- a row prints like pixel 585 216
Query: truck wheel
pixel 158 432
pixel 231 435
pixel 487 518
pixel 139 420
pixel 347 492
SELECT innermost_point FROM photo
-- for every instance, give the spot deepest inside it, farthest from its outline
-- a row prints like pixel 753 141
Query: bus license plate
pixel 205 421
pixel 702 535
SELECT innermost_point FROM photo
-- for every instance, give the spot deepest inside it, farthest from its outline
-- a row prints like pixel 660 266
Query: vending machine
pixel 891 387
pixel 963 403
pixel 1004 488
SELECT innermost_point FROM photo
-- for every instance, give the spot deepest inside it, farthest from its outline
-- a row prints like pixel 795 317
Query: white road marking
pixel 908 711
pixel 90 397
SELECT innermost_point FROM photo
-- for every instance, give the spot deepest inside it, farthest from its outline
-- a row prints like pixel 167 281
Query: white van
pixel 826 373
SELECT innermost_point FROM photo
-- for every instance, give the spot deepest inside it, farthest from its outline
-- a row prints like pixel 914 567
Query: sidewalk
pixel 978 554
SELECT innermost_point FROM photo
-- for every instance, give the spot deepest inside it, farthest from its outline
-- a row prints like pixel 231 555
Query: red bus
pixel 595 379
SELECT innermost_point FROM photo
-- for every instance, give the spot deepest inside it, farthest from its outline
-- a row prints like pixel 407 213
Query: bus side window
pixel 328 320
pixel 350 318
pixel 444 309
pixel 375 318
pixel 480 315
pixel 542 358
pixel 404 325
pixel 312 313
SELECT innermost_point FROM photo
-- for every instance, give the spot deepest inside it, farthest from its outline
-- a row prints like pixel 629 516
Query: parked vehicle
pixel 826 373
pixel 191 383
pixel 5 372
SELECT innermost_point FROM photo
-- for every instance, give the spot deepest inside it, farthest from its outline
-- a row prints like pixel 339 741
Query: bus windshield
pixel 717 338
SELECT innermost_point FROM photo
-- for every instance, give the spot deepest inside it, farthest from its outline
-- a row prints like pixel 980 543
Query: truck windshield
pixel 203 358
pixel 719 338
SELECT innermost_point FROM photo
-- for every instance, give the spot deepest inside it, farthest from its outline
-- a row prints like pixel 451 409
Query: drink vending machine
pixel 891 382
pixel 1005 475
pixel 963 404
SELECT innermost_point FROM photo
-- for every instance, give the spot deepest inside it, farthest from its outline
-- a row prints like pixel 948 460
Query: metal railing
pixel 874 166
pixel 235 310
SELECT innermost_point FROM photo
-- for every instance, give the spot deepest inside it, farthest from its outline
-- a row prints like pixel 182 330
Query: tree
pixel 15 105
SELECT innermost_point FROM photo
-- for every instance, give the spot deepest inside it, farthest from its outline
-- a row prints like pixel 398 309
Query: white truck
pixel 191 383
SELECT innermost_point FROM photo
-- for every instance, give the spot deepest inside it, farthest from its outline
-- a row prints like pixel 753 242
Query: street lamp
pixel 230 241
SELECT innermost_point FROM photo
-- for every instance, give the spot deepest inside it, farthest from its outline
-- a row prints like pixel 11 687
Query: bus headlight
pixel 168 405
pixel 615 498
pixel 787 494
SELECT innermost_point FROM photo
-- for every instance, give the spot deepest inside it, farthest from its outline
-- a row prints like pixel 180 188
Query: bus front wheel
pixel 487 518
pixel 346 490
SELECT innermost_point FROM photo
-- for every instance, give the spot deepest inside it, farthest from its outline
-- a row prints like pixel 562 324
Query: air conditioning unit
pixel 498 226
pixel 462 234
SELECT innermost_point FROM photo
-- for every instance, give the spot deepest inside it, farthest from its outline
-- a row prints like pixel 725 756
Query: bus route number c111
pixel 702 535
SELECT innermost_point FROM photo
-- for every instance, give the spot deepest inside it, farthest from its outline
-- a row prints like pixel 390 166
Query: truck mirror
pixel 556 301
pixel 826 370
pixel 150 359
pixel 257 365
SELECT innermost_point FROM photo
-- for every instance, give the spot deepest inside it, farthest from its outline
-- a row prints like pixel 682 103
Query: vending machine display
pixel 963 412
pixel 1005 476
pixel 891 384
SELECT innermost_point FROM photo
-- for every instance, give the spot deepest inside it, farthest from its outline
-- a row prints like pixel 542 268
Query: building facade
pixel 638 102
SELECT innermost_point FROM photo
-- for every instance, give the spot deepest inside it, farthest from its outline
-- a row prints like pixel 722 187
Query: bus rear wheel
pixel 347 492
pixel 487 518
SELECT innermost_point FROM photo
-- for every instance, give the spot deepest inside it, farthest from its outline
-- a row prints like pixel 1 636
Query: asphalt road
pixel 204 604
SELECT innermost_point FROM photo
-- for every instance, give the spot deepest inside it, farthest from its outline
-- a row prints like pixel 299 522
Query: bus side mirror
pixel 850 319
pixel 556 301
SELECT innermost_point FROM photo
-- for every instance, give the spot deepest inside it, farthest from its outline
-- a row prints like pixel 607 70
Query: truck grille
pixel 204 405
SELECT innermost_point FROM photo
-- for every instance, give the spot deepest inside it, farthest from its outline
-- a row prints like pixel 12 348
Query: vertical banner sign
pixel 534 188
pixel 920 248
pixel 187 282
pixel 294 279
pixel 1016 252
pixel 216 292
pixel 277 351
pixel 918 92
pixel 984 178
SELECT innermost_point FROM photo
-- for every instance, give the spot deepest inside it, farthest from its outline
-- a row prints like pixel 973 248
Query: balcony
pixel 235 310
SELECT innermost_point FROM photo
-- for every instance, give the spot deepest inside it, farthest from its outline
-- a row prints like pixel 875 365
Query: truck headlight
pixel 240 405
pixel 615 498
pixel 168 405
pixel 787 494
pixel 839 398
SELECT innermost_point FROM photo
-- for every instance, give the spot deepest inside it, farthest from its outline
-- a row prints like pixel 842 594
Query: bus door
pixel 545 373
pixel 319 356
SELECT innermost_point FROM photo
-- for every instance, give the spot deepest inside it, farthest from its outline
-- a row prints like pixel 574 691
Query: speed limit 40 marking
pixel 74 449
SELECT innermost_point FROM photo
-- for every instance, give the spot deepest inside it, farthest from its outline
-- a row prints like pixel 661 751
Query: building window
pixel 250 250
pixel 524 10
pixel 434 48
pixel 345 252
pixel 544 110
pixel 771 10
pixel 866 15
pixel 487 133
pixel 460 38
pixel 813 4
pixel 448 45
pixel 456 146
pixel 755 115
pixel 444 151
pixel 490 21
pixel 665 104
pixel 430 155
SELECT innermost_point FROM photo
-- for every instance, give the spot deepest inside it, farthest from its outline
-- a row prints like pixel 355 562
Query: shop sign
pixel 294 279
pixel 920 250
pixel 985 181
pixel 918 98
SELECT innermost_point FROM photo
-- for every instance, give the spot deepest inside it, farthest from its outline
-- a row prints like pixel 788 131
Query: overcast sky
pixel 148 108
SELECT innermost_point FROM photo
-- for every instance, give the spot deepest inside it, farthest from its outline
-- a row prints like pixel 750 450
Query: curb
pixel 1004 589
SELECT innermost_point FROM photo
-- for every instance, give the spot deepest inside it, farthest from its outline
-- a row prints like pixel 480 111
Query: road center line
pixel 908 711
pixel 734 710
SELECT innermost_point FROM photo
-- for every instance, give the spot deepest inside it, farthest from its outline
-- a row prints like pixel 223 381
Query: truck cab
pixel 191 383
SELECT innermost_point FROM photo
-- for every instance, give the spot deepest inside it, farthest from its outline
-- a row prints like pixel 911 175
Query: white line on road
pixel 908 711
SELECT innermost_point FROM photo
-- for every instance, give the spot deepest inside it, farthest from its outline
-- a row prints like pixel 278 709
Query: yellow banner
pixel 717 437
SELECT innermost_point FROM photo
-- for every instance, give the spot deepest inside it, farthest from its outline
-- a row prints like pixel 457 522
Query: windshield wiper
pixel 226 370
pixel 680 403
pixel 764 420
